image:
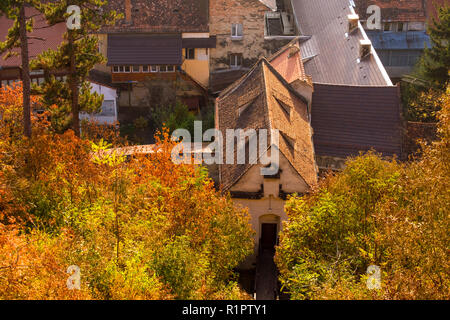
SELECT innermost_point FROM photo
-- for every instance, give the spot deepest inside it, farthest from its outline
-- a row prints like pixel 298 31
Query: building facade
pixel 401 37
pixel 246 30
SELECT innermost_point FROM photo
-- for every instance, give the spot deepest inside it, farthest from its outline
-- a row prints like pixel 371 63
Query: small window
pixel 235 60
pixel 127 69
pixel 190 54
pixel 162 68
pixel 170 68
pixel 116 69
pixel 236 31
pixel 154 69
pixel 400 26
pixel 136 69
pixel 145 69
pixel 387 26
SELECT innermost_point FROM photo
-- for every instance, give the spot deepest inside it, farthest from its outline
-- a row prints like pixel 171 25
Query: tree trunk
pixel 74 87
pixel 25 73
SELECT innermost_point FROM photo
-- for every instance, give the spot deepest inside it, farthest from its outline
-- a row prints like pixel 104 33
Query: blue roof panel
pixel 411 40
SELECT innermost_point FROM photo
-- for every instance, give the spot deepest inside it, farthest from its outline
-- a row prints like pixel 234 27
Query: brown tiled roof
pixel 161 16
pixel 52 37
pixel 331 57
pixel 395 10
pixel 350 119
pixel 265 92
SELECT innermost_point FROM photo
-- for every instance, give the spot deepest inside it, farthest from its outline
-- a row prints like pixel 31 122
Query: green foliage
pixel 173 117
pixel 436 60
pixel 331 234
pixel 432 71
pixel 374 212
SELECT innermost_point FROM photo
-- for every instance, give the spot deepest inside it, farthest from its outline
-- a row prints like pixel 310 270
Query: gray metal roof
pixel 331 56
pixel 350 119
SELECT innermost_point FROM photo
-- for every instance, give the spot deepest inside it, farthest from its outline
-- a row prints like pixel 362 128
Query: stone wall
pixel 252 46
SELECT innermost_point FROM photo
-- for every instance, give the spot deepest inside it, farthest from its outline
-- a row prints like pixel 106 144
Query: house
pixel 264 99
pixel 401 37
pixel 45 38
pixel 246 31
pixel 101 84
pixel 156 42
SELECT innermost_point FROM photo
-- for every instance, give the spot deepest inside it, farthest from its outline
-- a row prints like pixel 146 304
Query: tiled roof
pixel 160 16
pixel 331 57
pixel 52 37
pixel 350 119
pixel 142 49
pixel 265 93
pixel 395 10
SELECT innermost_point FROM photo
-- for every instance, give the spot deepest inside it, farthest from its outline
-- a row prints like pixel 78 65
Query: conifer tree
pixel 435 65
pixel 18 38
pixel 77 55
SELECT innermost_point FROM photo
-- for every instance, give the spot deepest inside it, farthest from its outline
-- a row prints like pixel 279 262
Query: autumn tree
pixel 135 231
pixel 375 212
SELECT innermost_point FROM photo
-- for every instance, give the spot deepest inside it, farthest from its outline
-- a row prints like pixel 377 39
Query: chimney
pixel 365 48
pixel 353 20
pixel 128 11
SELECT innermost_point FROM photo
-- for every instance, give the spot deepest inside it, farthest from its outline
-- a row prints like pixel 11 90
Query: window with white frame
pixel 136 69
pixel 235 60
pixel 154 69
pixel 236 31
pixel 145 69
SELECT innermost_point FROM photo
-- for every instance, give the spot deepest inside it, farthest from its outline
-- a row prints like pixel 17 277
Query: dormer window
pixel 289 141
pixel 286 108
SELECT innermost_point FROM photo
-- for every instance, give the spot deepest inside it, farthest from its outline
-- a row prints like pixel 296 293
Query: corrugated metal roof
pixel 336 56
pixel 350 119
pixel 411 40
pixel 142 49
